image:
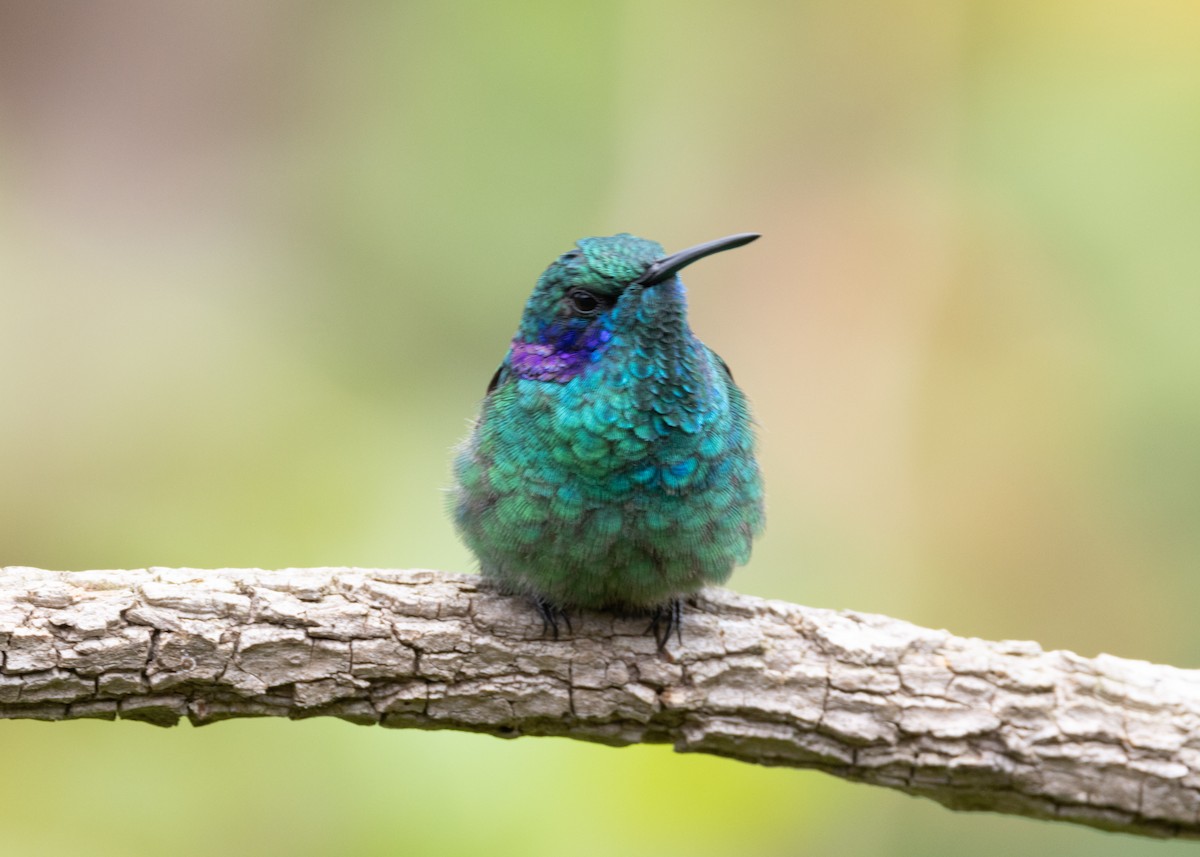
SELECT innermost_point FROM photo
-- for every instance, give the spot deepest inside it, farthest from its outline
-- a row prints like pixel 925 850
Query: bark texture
pixel 1000 726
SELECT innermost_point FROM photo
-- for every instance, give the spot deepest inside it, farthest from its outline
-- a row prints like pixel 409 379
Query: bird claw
pixel 664 619
pixel 550 615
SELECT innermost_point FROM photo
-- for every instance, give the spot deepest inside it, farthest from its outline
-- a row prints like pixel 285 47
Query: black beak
pixel 665 268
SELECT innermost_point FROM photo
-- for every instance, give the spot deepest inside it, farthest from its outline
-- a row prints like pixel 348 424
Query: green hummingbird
pixel 612 465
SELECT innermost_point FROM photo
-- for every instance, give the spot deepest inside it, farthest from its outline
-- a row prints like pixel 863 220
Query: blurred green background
pixel 258 261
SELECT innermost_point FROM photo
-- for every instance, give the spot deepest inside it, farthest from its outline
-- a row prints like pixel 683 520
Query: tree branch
pixel 972 724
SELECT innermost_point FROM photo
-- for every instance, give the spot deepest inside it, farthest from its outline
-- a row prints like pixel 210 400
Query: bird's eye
pixel 583 302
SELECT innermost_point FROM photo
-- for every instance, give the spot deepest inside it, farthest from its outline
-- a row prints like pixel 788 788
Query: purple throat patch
pixel 545 361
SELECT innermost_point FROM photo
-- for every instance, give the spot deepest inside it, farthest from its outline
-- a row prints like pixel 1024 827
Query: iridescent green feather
pixel 627 484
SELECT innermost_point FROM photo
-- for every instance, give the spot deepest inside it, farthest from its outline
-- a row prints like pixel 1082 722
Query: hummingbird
pixel 612 465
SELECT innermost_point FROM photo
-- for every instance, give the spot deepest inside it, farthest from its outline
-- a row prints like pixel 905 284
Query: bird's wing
pixel 497 379
pixel 720 362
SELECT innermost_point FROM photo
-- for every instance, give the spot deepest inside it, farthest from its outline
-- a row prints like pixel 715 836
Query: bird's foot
pixel 551 614
pixel 664 619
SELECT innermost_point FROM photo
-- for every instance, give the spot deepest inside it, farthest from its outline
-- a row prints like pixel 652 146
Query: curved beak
pixel 661 270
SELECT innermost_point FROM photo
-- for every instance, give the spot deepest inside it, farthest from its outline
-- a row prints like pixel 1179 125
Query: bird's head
pixel 603 289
